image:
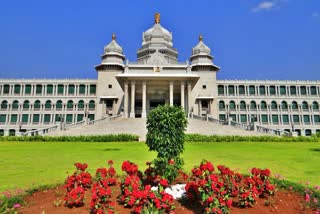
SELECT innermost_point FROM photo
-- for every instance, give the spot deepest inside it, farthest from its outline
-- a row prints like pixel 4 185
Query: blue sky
pixel 250 39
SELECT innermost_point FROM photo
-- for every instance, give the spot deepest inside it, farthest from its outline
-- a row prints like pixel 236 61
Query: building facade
pixel 133 89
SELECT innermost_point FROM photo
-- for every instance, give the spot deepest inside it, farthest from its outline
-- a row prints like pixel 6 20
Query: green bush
pixel 88 138
pixel 166 125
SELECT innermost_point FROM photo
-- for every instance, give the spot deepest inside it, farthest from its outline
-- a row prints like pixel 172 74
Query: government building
pixel 133 89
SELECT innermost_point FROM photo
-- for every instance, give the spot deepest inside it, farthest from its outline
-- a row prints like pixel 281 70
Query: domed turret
pixel 113 46
pixel 201 57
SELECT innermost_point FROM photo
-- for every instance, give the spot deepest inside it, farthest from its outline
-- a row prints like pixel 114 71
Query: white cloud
pixel 265 6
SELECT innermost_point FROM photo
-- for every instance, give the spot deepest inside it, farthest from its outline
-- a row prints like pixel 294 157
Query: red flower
pixel 171 162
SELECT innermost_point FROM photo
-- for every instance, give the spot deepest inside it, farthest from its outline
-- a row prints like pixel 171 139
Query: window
pixel 232 105
pixel 284 105
pixel 252 90
pixel 47 118
pixel 69 118
pixel 59 104
pixel 81 104
pixel 272 90
pixel 315 106
pixel 283 90
pixel 293 90
pixel 285 119
pixel 303 90
pixel 316 118
pixel 36 118
pixel 82 89
pixel 92 89
pixel 3 118
pixel 221 105
pixel 242 90
pixel 60 89
pixel 274 105
pixel 15 105
pixel 71 89
pixel 264 118
pixel 14 118
pixel 91 117
pixel 70 104
pixel 231 90
pixel 243 118
pixel 220 90
pixel 313 90
pixel 294 105
pixel 79 117
pixel 48 104
pixel 304 105
pixel 1 132
pixel 27 89
pixel 6 89
pixel 296 119
pixel 49 89
pixel 253 105
pixel 306 119
pixel 242 105
pixel 222 117
pixel 25 118
pixel 4 105
pixel 203 86
pixel 37 104
pixel 262 90
pixel 38 89
pixel 92 104
pixel 275 119
pixel 17 89
pixel 26 105
pixel 263 105
pixel 57 118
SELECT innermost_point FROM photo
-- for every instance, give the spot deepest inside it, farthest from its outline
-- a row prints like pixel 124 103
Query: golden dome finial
pixel 157 18
pixel 200 38
pixel 114 36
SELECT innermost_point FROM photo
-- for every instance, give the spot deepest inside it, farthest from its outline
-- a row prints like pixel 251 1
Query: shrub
pixel 166 125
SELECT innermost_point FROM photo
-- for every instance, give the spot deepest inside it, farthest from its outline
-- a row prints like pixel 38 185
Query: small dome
pixel 201 48
pixel 113 46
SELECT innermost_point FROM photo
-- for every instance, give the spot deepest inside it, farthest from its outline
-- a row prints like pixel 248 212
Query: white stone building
pixel 134 88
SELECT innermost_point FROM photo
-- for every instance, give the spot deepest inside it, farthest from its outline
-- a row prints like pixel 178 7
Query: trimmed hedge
pixel 216 138
pixel 88 138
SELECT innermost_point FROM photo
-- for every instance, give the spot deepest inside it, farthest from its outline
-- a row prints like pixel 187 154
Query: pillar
pixel 189 99
pixel 133 88
pixel 171 92
pixel 182 94
pixel 126 99
pixel 144 99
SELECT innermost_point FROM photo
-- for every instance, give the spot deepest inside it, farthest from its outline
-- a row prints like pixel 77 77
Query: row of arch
pixel 274 106
pixel 48 104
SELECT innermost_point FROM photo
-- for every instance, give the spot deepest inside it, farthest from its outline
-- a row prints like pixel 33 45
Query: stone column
pixel 144 99
pixel 133 88
pixel 200 107
pixel 171 92
pixel 189 99
pixel 182 94
pixel 126 99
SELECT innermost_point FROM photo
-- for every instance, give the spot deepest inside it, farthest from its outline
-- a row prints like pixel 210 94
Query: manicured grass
pixel 24 165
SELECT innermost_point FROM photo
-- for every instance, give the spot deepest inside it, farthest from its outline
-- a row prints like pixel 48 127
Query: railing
pixel 73 125
pixel 93 122
pixel 214 120
pixel 241 125
pixel 41 131
pixel 194 116
pixel 272 131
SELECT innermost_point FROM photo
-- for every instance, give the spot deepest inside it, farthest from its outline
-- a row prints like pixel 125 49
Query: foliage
pixel 10 201
pixel 166 125
pixel 89 138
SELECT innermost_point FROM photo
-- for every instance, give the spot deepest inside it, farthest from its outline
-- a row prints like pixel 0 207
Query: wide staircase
pixel 137 126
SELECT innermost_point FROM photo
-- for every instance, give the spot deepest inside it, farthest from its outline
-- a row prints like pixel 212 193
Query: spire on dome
pixel 201 47
pixel 113 46
pixel 157 18
pixel 200 38
pixel 114 37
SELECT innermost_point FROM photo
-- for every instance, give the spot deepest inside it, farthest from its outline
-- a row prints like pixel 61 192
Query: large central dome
pixel 157 42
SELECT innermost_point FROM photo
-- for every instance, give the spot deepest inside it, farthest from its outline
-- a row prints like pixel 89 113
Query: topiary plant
pixel 166 125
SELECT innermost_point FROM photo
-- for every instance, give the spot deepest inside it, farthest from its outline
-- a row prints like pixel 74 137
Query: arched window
pixel 274 105
pixel 4 105
pixel 70 104
pixel 294 105
pixel 304 105
pixel 26 104
pixel 48 104
pixel 82 89
pixel 15 105
pixel 17 89
pixel 242 105
pixel 284 105
pixel 242 90
pixel 232 105
pixel 313 90
pixel 263 105
pixel 92 104
pixel 81 104
pixel 315 106
pixel 37 104
pixel 252 90
pixel 59 104
pixel 253 105
pixel 221 105
pixel 50 89
pixel 71 89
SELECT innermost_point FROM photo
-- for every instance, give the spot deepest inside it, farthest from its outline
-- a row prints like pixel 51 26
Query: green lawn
pixel 24 165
